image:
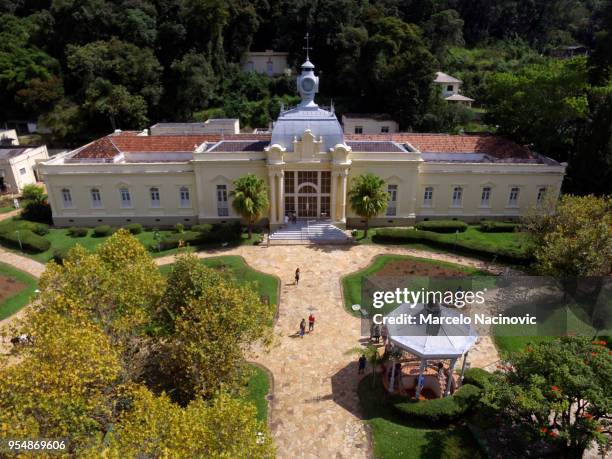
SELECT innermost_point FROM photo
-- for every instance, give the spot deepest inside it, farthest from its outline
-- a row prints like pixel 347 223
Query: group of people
pixel 377 332
pixel 311 324
pixel 291 218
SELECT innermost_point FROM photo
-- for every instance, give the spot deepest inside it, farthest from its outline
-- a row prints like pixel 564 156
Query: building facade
pixel 450 89
pixel 266 62
pixel 308 163
pixel 368 123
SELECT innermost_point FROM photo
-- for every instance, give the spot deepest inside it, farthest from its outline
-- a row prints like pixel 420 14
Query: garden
pixel 502 241
pixel 43 243
pixel 16 289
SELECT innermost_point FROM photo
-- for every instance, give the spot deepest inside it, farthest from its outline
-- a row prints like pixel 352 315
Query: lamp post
pixel 157 237
pixel 19 239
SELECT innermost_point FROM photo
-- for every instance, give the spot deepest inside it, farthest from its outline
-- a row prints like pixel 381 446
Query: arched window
pixel 184 197
pixel 457 196
pixel 96 198
pixel 308 189
pixel 428 196
pixel 126 199
pixel 155 201
pixel 66 198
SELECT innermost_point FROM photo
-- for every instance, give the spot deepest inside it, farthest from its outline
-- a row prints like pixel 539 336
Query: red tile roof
pixel 114 144
pixel 493 145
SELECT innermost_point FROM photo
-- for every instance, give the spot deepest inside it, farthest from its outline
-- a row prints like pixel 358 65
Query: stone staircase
pixel 309 232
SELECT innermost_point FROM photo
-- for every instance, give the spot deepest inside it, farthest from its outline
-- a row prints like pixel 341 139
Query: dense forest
pixel 85 67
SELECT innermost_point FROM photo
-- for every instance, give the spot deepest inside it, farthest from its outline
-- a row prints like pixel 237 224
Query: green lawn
pixel 234 266
pixel 352 284
pixel 396 437
pixel 472 234
pixel 256 391
pixel 14 303
pixel 6 209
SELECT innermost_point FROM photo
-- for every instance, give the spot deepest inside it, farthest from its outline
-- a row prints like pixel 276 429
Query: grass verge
pixel 15 302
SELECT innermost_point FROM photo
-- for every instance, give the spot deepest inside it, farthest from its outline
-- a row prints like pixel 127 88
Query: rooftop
pixel 8 152
pixel 372 116
pixel 442 77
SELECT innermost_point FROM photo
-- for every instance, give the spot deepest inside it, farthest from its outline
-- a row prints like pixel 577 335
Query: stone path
pixel 315 409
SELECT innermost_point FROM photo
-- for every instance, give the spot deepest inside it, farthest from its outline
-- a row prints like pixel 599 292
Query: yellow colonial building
pixel 308 162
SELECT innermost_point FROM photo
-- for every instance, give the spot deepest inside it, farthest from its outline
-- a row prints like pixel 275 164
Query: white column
pixel 419 386
pixel 272 176
pixel 343 210
pixel 318 194
pixel 449 379
pixel 333 205
pixel 281 196
pixel 463 366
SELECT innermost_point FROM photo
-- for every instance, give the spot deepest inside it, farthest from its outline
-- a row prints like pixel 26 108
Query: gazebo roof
pixel 431 342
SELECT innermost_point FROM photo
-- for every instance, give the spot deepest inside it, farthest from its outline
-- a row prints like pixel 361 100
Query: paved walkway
pixel 315 409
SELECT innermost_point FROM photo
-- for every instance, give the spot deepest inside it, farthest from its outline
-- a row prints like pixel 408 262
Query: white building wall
pixel 368 125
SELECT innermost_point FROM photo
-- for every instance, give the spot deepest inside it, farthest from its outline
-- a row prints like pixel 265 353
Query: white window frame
pixel 123 193
pixel 96 203
pixel 155 197
pixel 485 196
pixel 222 200
pixel 514 196
pixel 184 197
pixel 428 195
pixel 541 195
pixel 67 202
pixel 457 196
pixel 23 171
pixel 358 129
pixel 393 191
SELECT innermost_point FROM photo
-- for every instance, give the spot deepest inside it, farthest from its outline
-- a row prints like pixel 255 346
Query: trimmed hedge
pixel 41 229
pixel 477 377
pixel 134 228
pixel 59 255
pixel 203 228
pixel 208 234
pixel 490 226
pixel 443 226
pixel 30 241
pixel 103 230
pixel 442 410
pixel 404 235
pixel 77 231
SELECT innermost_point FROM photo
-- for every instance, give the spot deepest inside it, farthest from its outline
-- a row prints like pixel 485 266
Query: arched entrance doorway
pixel 307 193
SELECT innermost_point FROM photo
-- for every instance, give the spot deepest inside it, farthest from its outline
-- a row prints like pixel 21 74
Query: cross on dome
pixel 307 47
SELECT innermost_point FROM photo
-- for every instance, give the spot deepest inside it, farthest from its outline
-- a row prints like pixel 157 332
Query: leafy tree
pixel 574 236
pixel 117 104
pixel 196 84
pixel 250 199
pixel 368 197
pixel 444 29
pixel 35 205
pixel 157 427
pixel 541 104
pixel 214 326
pixel 558 391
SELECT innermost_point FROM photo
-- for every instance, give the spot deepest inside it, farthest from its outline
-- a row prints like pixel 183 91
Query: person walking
pixel 302 328
pixel 377 333
pixel 297 276
pixel 362 364
pixel 384 332
pixel 311 322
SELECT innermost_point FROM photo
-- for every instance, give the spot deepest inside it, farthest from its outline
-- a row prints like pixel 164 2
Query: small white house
pixel 18 166
pixel 267 62
pixel 368 123
pixel 8 137
pixel 450 88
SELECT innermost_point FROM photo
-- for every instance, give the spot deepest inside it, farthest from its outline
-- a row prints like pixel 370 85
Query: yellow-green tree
pixel 155 427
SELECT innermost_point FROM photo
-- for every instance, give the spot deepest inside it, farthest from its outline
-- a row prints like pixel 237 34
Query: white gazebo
pixel 447 341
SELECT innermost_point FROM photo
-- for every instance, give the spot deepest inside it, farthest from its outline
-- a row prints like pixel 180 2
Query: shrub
pixel 179 228
pixel 77 231
pixel 477 377
pixel 442 226
pixel 102 230
pixel 37 212
pixel 442 410
pixel 208 234
pixel 134 228
pixel 203 228
pixel 490 226
pixel 41 229
pixel 30 242
pixel 482 248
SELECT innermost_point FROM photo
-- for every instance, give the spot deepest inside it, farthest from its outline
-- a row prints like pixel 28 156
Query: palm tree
pixel 368 197
pixel 250 199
